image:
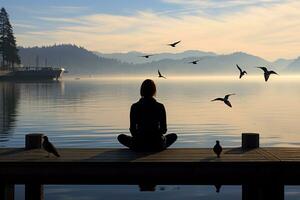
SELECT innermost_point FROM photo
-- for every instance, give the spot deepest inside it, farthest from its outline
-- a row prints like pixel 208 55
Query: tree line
pixel 8 48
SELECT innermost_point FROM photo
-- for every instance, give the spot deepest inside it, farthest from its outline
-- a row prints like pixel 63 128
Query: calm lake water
pixel 91 112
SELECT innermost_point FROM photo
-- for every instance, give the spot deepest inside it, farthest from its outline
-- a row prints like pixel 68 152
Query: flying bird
pixel 147 56
pixel 174 44
pixel 225 100
pixel 242 72
pixel 267 73
pixel 49 147
pixel 160 76
pixel 194 62
pixel 218 148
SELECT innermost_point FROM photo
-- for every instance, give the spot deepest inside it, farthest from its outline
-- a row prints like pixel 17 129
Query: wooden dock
pixel 262 172
pixel 172 166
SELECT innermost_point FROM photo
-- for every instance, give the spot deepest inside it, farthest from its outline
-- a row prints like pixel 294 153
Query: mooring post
pixel 272 191
pixel 7 191
pixel 33 141
pixel 258 191
pixel 250 141
pixel 34 191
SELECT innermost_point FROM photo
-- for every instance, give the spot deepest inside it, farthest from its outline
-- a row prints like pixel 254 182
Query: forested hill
pixel 75 59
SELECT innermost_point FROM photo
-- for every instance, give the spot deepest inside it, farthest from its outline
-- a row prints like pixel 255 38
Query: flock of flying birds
pixel 50 148
pixel 225 99
pixel 217 147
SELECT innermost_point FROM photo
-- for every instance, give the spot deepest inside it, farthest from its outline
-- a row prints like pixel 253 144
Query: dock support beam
pixel 7 191
pixel 34 191
pixel 256 191
pixel 263 192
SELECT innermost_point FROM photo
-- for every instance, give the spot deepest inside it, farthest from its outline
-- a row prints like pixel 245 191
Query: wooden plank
pixel 115 155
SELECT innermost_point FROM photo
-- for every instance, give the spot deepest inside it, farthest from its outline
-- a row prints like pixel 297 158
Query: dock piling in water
pixel 7 191
pixel 34 191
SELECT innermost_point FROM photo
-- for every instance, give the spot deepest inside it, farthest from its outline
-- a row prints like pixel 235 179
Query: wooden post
pixel 7 191
pixel 33 141
pixel 34 191
pixel 262 192
pixel 250 141
pixel 256 191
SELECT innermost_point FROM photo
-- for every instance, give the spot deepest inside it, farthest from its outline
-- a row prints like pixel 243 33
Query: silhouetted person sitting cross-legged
pixel 147 123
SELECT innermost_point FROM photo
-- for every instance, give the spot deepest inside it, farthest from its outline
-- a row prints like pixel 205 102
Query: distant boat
pixel 31 73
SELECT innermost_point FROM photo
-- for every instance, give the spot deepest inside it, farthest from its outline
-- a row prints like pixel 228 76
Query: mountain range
pixel 78 60
pixel 135 57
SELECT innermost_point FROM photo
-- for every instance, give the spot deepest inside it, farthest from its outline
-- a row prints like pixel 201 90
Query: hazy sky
pixel 266 28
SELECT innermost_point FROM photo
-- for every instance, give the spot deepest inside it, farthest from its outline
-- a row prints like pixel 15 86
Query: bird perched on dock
pixel 218 148
pixel 267 73
pixel 194 62
pixel 147 56
pixel 225 100
pixel 160 75
pixel 242 72
pixel 174 44
pixel 49 147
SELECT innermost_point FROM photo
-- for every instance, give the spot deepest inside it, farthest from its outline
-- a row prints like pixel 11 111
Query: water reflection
pixel 15 95
pixel 9 98
pixel 91 113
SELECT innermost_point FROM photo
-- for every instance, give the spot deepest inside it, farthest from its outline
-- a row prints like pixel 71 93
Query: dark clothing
pixel 147 127
pixel 136 145
pixel 148 119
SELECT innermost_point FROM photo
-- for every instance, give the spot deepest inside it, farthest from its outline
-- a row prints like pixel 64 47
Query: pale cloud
pixel 223 3
pixel 61 19
pixel 69 9
pixel 23 25
pixel 267 31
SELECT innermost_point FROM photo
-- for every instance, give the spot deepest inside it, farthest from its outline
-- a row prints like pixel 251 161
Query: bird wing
pixel 239 68
pixel 227 96
pixel 218 99
pixel 159 73
pixel 264 69
pixel 147 56
pixel 176 42
pixel 273 72
pixel 53 150
pixel 228 103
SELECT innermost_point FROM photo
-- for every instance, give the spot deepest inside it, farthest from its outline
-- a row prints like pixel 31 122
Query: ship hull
pixel 32 74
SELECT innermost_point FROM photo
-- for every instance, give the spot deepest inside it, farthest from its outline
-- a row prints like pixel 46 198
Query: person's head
pixel 148 88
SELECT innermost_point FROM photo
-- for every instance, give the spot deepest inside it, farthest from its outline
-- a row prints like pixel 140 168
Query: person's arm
pixel 163 120
pixel 133 121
